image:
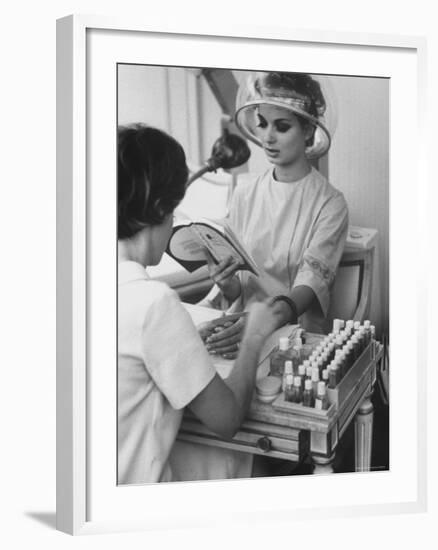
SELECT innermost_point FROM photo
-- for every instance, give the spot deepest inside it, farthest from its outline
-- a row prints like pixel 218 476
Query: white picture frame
pixel 86 503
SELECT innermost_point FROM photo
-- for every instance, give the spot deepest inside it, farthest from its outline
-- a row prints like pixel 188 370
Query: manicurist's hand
pixel 261 321
pixel 282 312
pixel 223 275
pixel 222 405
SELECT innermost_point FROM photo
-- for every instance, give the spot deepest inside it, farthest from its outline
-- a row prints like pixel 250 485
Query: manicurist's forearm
pixel 223 404
pixel 242 377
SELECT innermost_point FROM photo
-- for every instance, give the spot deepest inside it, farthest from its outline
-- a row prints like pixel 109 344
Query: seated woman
pixel 162 362
pixel 290 218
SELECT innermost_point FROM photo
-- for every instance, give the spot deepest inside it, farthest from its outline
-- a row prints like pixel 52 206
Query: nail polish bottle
pixel 280 356
pixel 331 350
pixel 333 375
pixel 356 350
pixel 297 393
pixel 315 379
pixel 340 361
pixel 297 358
pixel 308 397
pixel 367 328
pixel 337 325
pixel 321 400
pixel 288 370
pixel 288 394
pixel 321 365
pixel 302 375
pixel 349 356
pixel 339 342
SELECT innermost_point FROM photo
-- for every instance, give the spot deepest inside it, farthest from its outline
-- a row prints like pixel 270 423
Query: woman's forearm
pixel 232 289
pixel 302 296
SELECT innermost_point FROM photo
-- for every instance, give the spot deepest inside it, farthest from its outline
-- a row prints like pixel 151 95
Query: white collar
pixel 131 271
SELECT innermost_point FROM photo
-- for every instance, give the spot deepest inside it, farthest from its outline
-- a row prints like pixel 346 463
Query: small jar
pixel 268 388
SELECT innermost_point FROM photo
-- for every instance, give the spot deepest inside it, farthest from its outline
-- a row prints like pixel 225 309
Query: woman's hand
pixel 261 321
pixel 205 330
pixel 224 339
pixel 223 274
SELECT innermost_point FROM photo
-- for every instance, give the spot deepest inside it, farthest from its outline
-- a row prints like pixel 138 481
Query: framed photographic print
pixel 284 111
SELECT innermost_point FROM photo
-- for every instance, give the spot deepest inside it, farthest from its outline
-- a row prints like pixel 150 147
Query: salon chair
pixel 351 292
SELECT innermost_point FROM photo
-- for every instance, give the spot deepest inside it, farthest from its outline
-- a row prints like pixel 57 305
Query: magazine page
pixel 237 244
pixel 217 243
pixel 188 243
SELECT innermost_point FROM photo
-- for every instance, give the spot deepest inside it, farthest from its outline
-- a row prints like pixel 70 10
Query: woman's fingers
pixel 219 338
pixel 225 350
pixel 226 340
pixel 227 271
pixel 223 346
pixel 205 330
pixel 221 271
pixel 235 330
pixel 208 328
pixel 232 355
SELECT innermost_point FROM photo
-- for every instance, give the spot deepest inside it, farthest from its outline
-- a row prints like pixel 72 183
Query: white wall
pixel 359 166
pixel 170 98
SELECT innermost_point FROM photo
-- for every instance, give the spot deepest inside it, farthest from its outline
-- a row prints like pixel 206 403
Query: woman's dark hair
pixel 151 177
pixel 303 85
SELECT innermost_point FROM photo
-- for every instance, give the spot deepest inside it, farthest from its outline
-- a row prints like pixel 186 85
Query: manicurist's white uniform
pixel 295 233
pixel 162 366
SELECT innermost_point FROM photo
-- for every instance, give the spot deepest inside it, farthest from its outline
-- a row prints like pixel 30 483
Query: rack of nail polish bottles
pixel 318 384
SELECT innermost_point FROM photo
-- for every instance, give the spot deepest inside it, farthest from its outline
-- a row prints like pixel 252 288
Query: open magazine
pixel 190 239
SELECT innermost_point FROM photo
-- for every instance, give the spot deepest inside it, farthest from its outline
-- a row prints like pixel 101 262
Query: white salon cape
pixel 162 366
pixel 295 232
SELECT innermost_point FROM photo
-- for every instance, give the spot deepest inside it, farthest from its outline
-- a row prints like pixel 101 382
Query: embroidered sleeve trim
pixel 321 270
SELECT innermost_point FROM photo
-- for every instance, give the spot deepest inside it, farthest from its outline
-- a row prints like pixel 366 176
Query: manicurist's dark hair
pixel 151 177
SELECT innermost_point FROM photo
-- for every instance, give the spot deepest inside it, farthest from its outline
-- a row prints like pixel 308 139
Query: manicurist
pixel 163 365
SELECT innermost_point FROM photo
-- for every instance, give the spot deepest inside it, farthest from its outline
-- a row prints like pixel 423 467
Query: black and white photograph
pixel 252 273
pixel 219 298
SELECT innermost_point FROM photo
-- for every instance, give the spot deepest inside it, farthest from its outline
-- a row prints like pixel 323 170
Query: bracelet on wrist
pixel 294 312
